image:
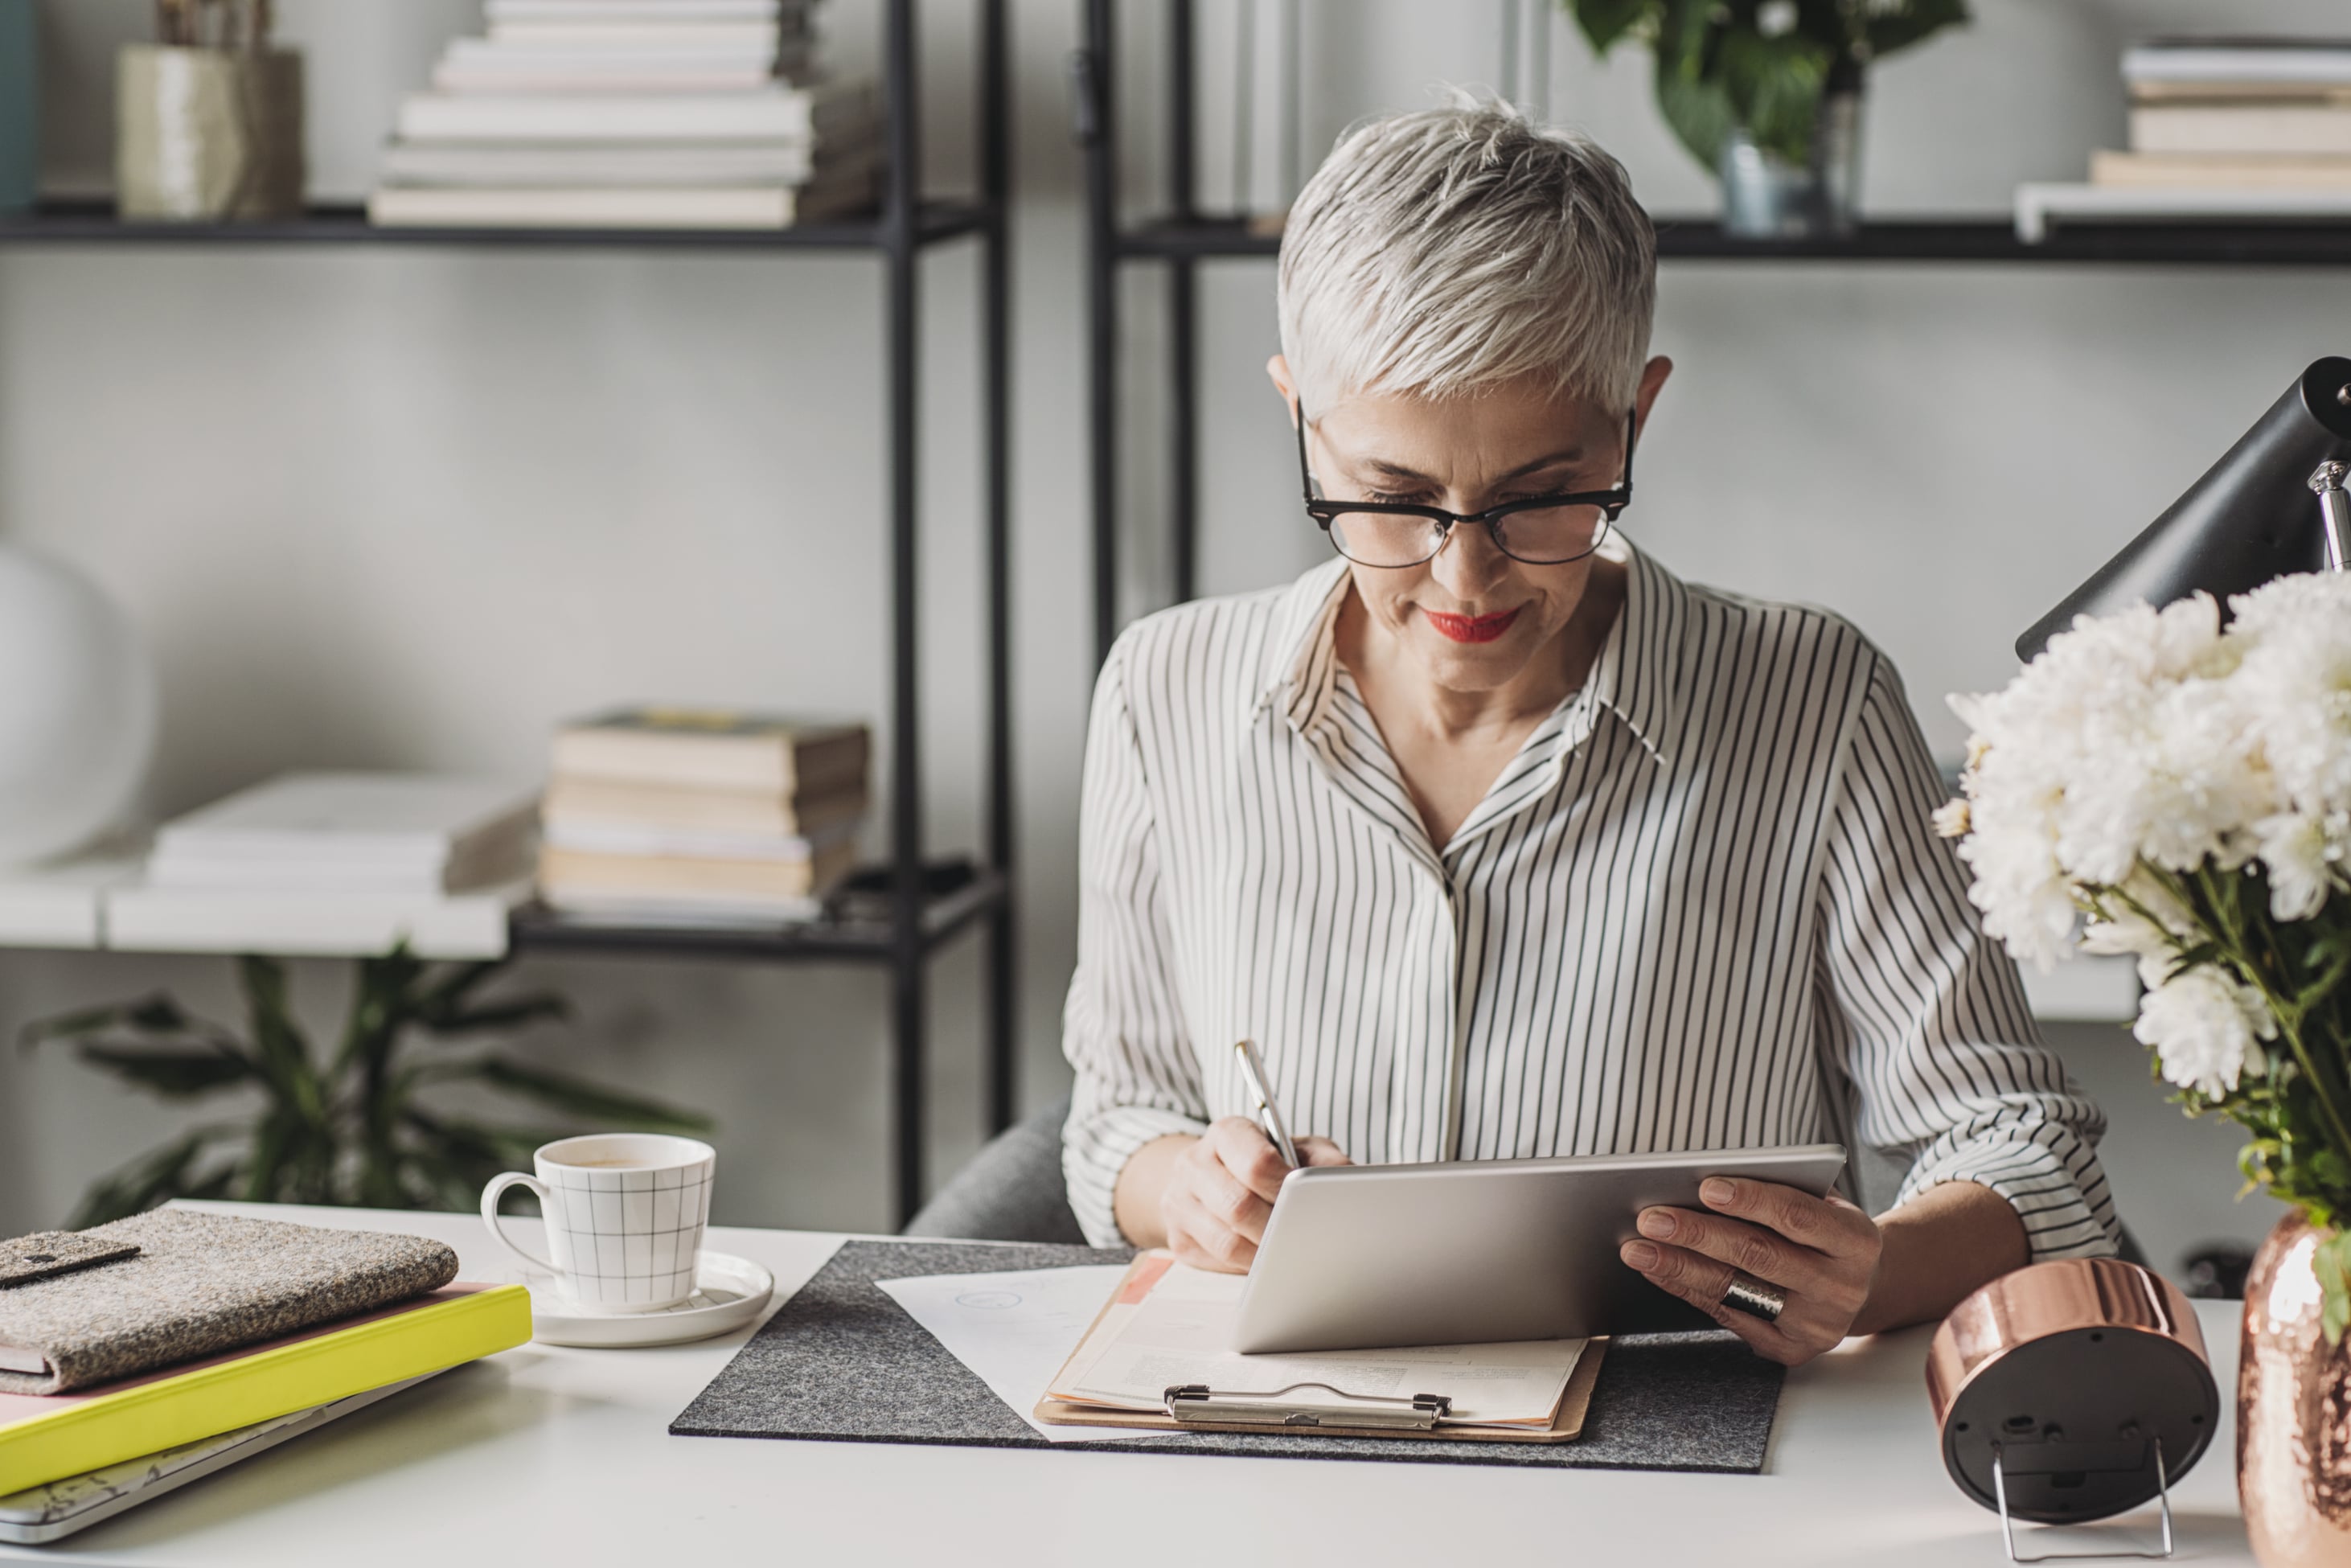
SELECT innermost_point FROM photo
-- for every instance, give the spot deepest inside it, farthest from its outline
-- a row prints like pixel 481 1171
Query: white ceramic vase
pixel 76 710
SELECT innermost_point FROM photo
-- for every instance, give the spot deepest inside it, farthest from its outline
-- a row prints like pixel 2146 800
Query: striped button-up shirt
pixel 1703 907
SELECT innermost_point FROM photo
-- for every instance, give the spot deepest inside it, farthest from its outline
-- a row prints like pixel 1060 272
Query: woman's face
pixel 1472 617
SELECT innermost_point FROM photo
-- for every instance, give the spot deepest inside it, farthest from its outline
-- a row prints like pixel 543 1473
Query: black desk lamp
pixel 2246 521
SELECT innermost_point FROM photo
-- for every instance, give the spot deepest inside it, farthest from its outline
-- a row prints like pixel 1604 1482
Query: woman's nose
pixel 1469 564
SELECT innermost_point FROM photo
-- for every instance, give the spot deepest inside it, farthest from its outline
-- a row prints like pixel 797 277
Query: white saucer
pixel 728 1292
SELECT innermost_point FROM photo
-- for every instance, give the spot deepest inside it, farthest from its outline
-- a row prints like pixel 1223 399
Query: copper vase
pixel 2293 1410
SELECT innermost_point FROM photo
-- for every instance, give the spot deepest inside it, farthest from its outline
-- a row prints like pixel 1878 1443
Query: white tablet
pixel 1479 1251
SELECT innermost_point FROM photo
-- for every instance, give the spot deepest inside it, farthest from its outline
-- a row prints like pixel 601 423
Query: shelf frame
pixel 536 929
pixel 1180 239
pixel 905 228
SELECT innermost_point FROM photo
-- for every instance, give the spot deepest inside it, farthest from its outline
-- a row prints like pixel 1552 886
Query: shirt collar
pixel 1638 675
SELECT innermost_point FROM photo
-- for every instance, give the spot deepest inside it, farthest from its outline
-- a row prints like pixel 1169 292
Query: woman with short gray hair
pixel 1503 841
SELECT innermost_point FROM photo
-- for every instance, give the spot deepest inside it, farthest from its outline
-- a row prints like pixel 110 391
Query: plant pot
pixel 203 135
pixel 1765 196
pixel 2293 1410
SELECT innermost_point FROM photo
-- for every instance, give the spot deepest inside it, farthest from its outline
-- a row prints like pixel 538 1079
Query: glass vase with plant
pixel 1767 93
pixel 386 1121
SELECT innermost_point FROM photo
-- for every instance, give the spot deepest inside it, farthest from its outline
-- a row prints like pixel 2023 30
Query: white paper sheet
pixel 1015 1330
pixel 1181 1331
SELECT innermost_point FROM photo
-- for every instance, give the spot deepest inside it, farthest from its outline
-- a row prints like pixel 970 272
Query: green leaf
pixel 447 993
pixel 498 1016
pixel 2332 1262
pixel 172 1074
pixel 1607 23
pixel 590 1102
pixel 155 1015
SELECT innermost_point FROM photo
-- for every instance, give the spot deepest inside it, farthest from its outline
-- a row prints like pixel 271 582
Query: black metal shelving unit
pixel 902 232
pixel 1181 237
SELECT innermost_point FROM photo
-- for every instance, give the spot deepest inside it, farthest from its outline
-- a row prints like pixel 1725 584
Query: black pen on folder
pixel 1268 1115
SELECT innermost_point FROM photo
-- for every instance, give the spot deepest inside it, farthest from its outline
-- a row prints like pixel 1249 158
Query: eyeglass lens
pixel 1540 536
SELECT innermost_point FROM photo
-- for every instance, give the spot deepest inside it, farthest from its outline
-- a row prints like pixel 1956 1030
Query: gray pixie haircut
pixel 1444 252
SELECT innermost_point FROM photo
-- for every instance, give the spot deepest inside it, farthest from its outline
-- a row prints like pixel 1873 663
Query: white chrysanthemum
pixel 2306 857
pixel 2142 921
pixel 2206 1029
pixel 2295 685
pixel 2112 746
pixel 2025 898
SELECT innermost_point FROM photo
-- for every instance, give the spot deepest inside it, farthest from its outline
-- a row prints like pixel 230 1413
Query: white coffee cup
pixel 626 1213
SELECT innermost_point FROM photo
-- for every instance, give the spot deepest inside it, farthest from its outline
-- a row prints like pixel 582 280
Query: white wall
pixel 406 507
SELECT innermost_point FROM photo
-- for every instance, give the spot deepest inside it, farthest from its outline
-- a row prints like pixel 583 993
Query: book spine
pixel 554 117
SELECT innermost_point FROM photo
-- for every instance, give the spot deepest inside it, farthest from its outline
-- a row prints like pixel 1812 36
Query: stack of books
pixel 336 863
pixel 688 816
pixel 632 114
pixel 188 1341
pixel 2235 114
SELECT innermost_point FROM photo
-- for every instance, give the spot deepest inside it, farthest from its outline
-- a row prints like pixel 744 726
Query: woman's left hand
pixel 1819 1252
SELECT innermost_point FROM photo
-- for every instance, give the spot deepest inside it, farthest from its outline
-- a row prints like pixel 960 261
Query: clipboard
pixel 1194 1407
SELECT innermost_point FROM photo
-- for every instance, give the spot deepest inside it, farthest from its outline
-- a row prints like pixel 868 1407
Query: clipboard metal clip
pixel 1197 1405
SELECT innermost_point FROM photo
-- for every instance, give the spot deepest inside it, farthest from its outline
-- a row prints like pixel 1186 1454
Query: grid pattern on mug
pixel 625 1236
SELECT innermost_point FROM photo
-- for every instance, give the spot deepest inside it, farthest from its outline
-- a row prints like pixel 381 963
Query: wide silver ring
pixel 1755 1298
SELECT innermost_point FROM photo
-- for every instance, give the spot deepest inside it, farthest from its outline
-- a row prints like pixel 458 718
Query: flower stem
pixel 2287 1014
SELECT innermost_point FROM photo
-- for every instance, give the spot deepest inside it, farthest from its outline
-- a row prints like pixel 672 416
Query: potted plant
pixel 375 1124
pixel 208 118
pixel 2159 785
pixel 1767 93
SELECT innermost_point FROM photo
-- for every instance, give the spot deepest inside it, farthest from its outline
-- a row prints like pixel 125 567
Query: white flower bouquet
pixel 2157 785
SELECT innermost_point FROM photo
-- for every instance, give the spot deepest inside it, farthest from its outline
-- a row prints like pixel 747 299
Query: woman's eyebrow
pixel 1387 470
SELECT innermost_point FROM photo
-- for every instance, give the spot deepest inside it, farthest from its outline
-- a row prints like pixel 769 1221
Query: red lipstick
pixel 1472 628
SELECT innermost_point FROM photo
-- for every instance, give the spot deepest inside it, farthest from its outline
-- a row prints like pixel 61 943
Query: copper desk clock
pixel 2072 1391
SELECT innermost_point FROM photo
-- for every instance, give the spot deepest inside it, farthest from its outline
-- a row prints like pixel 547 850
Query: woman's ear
pixel 1652 381
pixel 1278 370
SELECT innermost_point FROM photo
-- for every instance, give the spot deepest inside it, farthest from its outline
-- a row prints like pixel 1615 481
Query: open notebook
pixel 1155 1359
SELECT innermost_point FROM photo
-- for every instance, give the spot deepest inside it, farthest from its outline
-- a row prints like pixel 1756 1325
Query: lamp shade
pixel 2249 518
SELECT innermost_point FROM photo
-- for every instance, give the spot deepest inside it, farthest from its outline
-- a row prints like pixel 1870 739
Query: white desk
pixel 556 1456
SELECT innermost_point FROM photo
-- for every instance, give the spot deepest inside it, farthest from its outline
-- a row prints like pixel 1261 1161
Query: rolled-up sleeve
pixel 1122 1029
pixel 1929 1022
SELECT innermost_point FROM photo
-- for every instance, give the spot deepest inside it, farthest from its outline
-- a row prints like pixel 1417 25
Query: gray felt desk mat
pixel 841 1361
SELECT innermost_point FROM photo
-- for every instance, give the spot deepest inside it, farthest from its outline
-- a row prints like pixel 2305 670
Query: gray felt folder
pixel 842 1363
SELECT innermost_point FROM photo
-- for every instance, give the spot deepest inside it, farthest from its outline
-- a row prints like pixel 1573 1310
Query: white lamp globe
pixel 76 710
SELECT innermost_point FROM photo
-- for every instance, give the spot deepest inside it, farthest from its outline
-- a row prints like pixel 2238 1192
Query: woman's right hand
pixel 1217 1192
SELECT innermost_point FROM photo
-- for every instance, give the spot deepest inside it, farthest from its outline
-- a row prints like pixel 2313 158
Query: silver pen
pixel 1268 1115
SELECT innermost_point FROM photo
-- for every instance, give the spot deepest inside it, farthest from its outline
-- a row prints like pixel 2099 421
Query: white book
pixel 775 111
pixel 527 165
pixel 631 839
pixel 690 51
pixel 617 34
pixel 50 1512
pixel 407 819
pixel 691 913
pixel 504 860
pixel 460 76
pixel 2314 62
pixel 2041 207
pixel 312 925
pixel 635 10
pixel 621 207
pixel 2289 129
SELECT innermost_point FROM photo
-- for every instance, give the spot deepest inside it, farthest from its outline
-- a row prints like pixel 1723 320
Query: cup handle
pixel 490 1196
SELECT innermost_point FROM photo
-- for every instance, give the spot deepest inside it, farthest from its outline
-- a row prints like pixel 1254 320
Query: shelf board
pixel 1887 240
pixel 538 929
pixel 89 222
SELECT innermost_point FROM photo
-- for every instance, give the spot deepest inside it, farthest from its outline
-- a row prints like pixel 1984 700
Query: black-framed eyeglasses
pixel 1541 530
